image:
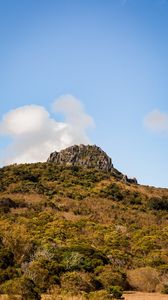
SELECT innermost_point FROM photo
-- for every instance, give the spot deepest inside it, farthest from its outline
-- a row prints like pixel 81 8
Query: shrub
pixel 7 274
pixel 29 290
pixel 108 277
pixel 38 274
pixel 30 177
pixel 135 200
pixel 6 258
pixel 157 203
pixel 112 191
pixel 82 258
pixel 143 279
pixel 116 291
pixel 99 295
pixel 165 289
pixel 11 287
pixel 76 282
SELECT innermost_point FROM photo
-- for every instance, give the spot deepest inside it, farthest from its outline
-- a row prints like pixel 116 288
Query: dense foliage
pixel 79 230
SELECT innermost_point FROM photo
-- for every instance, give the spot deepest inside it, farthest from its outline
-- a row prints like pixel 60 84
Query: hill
pixel 68 228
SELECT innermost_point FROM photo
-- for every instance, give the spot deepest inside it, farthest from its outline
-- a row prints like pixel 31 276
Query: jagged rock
pixel 133 180
pixel 129 180
pixel 82 155
pixel 90 156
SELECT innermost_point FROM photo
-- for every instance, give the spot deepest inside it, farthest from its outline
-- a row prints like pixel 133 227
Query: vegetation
pixel 68 230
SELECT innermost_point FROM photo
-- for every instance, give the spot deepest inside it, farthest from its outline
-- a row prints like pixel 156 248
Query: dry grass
pixel 6 297
pixel 127 296
pixel 26 197
pixel 62 297
pixel 145 296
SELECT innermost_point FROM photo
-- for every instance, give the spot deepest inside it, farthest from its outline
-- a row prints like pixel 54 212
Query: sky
pixel 86 71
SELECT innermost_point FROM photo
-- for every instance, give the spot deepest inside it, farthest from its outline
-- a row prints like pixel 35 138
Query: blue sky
pixel 110 57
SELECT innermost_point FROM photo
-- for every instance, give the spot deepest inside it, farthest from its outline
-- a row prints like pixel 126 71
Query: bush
pixel 116 291
pixel 75 282
pixel 6 258
pixel 11 287
pixel 99 295
pixel 29 290
pixel 108 277
pixel 39 275
pixel 112 191
pixel 157 203
pixel 143 279
pixel 82 258
pixel 165 289
pixel 7 274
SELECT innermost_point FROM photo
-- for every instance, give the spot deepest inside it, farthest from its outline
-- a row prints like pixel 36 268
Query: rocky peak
pixel 90 156
pixel 81 155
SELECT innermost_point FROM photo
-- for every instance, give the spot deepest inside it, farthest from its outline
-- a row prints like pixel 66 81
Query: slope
pixel 80 230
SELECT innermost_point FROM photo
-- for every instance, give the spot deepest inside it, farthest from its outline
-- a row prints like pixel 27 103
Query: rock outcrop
pixel 90 156
pixel 133 180
pixel 82 155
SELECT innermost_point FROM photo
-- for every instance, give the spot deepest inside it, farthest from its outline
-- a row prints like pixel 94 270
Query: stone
pixel 133 180
pixel 87 156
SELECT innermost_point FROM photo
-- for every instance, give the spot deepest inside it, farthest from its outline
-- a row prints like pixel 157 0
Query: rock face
pixel 129 180
pixel 82 155
pixel 88 157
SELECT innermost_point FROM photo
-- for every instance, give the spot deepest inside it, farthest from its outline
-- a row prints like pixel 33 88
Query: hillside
pixel 65 228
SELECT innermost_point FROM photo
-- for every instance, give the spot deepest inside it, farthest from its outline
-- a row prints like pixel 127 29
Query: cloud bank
pixel 157 121
pixel 35 134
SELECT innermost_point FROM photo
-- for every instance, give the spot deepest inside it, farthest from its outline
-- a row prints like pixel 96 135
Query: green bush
pixel 82 258
pixel 11 287
pixel 6 258
pixel 157 203
pixel 29 290
pixel 116 291
pixel 39 275
pixel 165 289
pixel 99 295
pixel 76 282
pixel 112 191
pixel 108 277
pixel 8 273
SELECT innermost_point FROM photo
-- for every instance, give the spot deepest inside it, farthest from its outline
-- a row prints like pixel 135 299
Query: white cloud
pixel 24 120
pixel 73 111
pixel 157 121
pixel 34 134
